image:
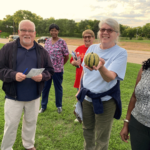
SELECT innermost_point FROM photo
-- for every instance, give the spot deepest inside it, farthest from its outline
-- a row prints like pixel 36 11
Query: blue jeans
pixel 57 80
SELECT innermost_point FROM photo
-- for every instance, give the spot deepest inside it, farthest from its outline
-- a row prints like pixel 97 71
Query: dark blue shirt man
pixel 23 94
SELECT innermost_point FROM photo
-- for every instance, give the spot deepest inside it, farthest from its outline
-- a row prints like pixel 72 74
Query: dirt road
pixel 133 56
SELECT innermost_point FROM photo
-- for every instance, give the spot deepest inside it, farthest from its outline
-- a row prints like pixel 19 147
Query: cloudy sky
pixel 127 12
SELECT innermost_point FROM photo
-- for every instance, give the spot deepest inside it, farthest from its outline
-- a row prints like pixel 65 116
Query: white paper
pixel 34 72
pixel 78 110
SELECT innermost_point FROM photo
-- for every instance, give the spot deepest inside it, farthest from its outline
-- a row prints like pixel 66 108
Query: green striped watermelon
pixel 91 59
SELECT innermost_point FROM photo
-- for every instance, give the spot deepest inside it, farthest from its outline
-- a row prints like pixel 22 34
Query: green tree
pixel 95 27
pixel 138 31
pixel 43 26
pixel 146 30
pixel 88 24
pixel 130 32
pixel 25 14
pixel 83 25
pixel 7 24
pixel 67 27
pixel 62 23
pixel 122 29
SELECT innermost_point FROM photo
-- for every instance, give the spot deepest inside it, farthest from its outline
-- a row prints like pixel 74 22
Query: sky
pixel 127 12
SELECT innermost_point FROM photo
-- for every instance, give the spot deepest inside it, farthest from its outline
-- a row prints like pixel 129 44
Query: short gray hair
pixel 26 21
pixel 112 23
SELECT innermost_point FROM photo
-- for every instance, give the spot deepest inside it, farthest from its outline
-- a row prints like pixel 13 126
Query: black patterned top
pixel 141 112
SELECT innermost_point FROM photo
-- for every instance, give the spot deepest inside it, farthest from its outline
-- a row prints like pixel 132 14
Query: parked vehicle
pixel 13 37
pixel 42 39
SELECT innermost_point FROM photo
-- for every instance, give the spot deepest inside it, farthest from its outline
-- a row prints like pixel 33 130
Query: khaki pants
pixel 97 127
pixel 13 112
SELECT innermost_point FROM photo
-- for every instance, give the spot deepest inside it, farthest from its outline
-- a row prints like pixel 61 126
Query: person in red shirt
pixel 88 38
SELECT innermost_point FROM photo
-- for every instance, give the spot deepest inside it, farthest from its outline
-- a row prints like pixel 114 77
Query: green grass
pixel 1 45
pixel 58 131
pixel 4 35
pixel 121 39
pixel 136 41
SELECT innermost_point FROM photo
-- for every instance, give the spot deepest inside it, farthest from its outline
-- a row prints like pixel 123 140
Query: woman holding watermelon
pixel 100 90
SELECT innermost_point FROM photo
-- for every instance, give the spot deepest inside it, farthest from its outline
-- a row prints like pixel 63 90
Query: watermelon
pixel 91 59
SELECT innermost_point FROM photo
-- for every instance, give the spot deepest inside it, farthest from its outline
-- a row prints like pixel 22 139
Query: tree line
pixel 68 28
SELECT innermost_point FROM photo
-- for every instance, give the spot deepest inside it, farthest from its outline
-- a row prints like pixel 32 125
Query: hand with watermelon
pixel 101 64
pixel 93 61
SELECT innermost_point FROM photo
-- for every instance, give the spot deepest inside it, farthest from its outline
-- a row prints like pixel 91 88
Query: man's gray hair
pixel 26 21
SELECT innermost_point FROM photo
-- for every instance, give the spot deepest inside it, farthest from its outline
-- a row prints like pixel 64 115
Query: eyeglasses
pixel 24 31
pixel 108 30
pixel 87 37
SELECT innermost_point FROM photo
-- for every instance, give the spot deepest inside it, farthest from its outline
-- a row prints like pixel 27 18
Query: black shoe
pixel 41 110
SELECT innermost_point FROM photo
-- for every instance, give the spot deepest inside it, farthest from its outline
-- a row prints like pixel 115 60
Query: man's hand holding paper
pixel 35 73
pixel 37 78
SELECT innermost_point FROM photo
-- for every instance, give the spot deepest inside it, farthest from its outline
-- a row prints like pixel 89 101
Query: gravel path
pixel 133 56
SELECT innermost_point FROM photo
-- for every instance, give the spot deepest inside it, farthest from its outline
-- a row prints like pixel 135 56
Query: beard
pixel 27 40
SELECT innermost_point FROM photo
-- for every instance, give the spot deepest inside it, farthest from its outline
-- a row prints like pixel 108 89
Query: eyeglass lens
pixel 87 37
pixel 108 30
pixel 23 30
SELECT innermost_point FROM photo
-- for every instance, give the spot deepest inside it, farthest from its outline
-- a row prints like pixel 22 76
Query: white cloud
pixel 131 12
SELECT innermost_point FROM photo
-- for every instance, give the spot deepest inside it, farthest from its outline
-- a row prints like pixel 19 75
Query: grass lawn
pixel 1 45
pixel 58 131
pixel 136 41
